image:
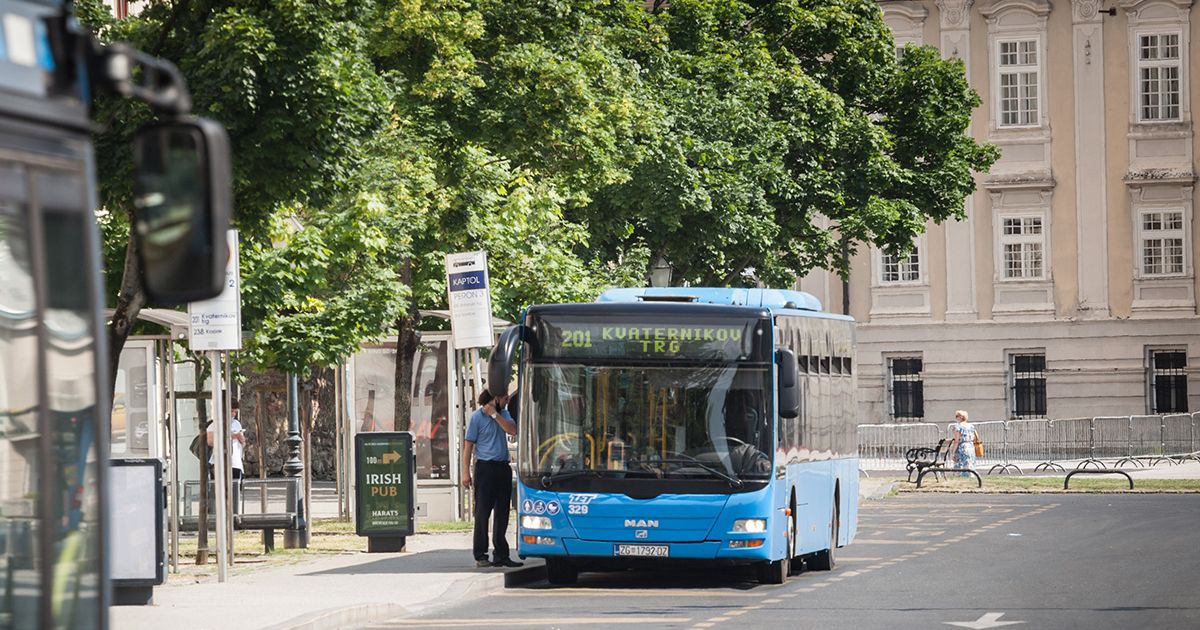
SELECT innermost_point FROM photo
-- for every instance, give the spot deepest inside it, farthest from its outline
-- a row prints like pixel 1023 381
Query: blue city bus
pixel 683 424
pixel 55 571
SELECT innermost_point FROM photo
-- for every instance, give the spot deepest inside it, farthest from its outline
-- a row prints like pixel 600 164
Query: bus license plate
pixel 641 551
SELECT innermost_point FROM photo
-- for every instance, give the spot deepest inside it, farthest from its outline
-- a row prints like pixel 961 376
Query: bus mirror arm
pixel 789 383
pixel 159 83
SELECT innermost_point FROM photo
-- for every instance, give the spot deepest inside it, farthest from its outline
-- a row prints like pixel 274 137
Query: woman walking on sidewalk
pixel 963 445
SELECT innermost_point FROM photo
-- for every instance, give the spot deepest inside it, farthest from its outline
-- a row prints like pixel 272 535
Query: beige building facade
pixel 1070 289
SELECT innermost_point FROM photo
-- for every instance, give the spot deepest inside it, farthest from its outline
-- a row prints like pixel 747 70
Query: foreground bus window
pixel 19 551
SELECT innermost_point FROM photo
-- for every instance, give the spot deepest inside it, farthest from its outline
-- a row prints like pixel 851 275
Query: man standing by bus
pixel 493 477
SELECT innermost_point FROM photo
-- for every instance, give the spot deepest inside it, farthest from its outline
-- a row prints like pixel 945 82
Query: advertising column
pixel 385 476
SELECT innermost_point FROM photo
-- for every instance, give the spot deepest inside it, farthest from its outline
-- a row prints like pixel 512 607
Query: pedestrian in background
pixel 963 445
pixel 237 440
pixel 493 479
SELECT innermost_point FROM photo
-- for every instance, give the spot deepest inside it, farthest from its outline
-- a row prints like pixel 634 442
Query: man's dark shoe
pixel 483 564
pixel 508 562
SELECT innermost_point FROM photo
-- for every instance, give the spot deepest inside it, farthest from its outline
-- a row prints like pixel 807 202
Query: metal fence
pixel 1024 445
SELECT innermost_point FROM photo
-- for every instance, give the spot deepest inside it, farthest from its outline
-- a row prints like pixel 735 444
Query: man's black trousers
pixel 493 493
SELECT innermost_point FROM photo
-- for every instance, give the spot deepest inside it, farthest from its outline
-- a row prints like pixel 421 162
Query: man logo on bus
pixel 640 523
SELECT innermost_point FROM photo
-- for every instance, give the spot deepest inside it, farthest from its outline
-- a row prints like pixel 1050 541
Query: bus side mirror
pixel 501 360
pixel 789 383
pixel 182 204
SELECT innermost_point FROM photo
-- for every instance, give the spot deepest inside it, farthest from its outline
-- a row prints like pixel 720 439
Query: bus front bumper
pixel 619 550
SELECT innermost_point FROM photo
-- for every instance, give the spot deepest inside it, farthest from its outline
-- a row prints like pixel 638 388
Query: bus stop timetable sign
pixel 470 302
pixel 385 486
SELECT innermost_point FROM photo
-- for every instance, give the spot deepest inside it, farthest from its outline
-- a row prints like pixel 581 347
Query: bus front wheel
pixel 561 571
pixel 773 572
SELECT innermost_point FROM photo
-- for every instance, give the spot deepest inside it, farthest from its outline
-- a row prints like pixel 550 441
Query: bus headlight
pixel 535 522
pixel 750 525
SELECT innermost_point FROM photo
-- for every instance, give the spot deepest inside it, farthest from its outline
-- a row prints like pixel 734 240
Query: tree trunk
pixel 406 346
pixel 130 301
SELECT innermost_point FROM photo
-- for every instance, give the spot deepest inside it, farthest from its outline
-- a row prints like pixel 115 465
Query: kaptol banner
pixel 216 324
pixel 470 300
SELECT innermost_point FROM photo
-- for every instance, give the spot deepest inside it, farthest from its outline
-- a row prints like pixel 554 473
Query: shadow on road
pixel 436 561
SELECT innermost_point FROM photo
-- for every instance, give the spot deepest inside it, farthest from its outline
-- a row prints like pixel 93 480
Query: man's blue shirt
pixel 488 436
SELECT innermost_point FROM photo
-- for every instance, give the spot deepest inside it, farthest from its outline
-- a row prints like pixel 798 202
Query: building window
pixel 1028 385
pixel 907 389
pixel 1162 241
pixel 1159 87
pixel 1018 74
pixel 894 268
pixel 1168 381
pixel 1022 241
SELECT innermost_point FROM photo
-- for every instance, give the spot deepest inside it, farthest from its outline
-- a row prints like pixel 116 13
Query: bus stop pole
pixel 173 453
pixel 232 497
pixel 220 471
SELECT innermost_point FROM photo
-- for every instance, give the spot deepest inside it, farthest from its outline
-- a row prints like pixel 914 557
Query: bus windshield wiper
pixel 733 481
pixel 548 480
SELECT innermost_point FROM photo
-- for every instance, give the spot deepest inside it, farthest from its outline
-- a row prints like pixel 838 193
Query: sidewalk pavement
pixel 355 590
pixel 348 590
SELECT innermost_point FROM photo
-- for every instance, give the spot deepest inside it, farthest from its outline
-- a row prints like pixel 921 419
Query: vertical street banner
pixel 216 324
pixel 470 300
pixel 385 478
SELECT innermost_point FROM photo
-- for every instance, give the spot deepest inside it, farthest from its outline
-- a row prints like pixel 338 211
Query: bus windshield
pixel 597 403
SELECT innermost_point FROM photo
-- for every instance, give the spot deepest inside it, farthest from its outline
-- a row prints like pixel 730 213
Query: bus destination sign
pixel 724 341
pixel 385 484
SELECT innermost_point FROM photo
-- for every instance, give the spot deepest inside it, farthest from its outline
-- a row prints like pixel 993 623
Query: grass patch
pixel 1079 483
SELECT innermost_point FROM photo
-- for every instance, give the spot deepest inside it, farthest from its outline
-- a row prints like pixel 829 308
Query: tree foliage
pixel 574 140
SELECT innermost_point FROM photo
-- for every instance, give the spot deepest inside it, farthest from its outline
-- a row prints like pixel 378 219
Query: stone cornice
pixel 991 9
pixel 911 10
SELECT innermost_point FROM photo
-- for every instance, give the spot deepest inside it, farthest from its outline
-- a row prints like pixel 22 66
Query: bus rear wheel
pixel 824 560
pixel 561 571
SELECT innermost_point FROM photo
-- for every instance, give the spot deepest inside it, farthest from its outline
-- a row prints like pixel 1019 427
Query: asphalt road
pixel 931 561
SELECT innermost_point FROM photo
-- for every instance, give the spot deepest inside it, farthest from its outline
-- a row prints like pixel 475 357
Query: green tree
pixel 523 107
pixel 292 83
pixel 781 113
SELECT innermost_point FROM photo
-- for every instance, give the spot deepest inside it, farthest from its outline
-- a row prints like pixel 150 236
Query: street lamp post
pixel 660 273
pixel 294 467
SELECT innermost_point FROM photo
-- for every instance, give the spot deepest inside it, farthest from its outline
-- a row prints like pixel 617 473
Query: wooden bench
pixel 921 457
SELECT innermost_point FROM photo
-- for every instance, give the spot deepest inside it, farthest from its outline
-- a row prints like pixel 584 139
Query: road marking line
pixel 565 621
pixel 852 573
pixel 773 600
pixel 621 593
pixel 879 541
pixel 858 558
pixel 801 590
pixel 736 613
pixel 821 585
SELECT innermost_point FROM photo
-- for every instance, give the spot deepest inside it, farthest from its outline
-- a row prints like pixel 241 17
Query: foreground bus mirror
pixel 182 205
pixel 789 384
pixel 501 360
